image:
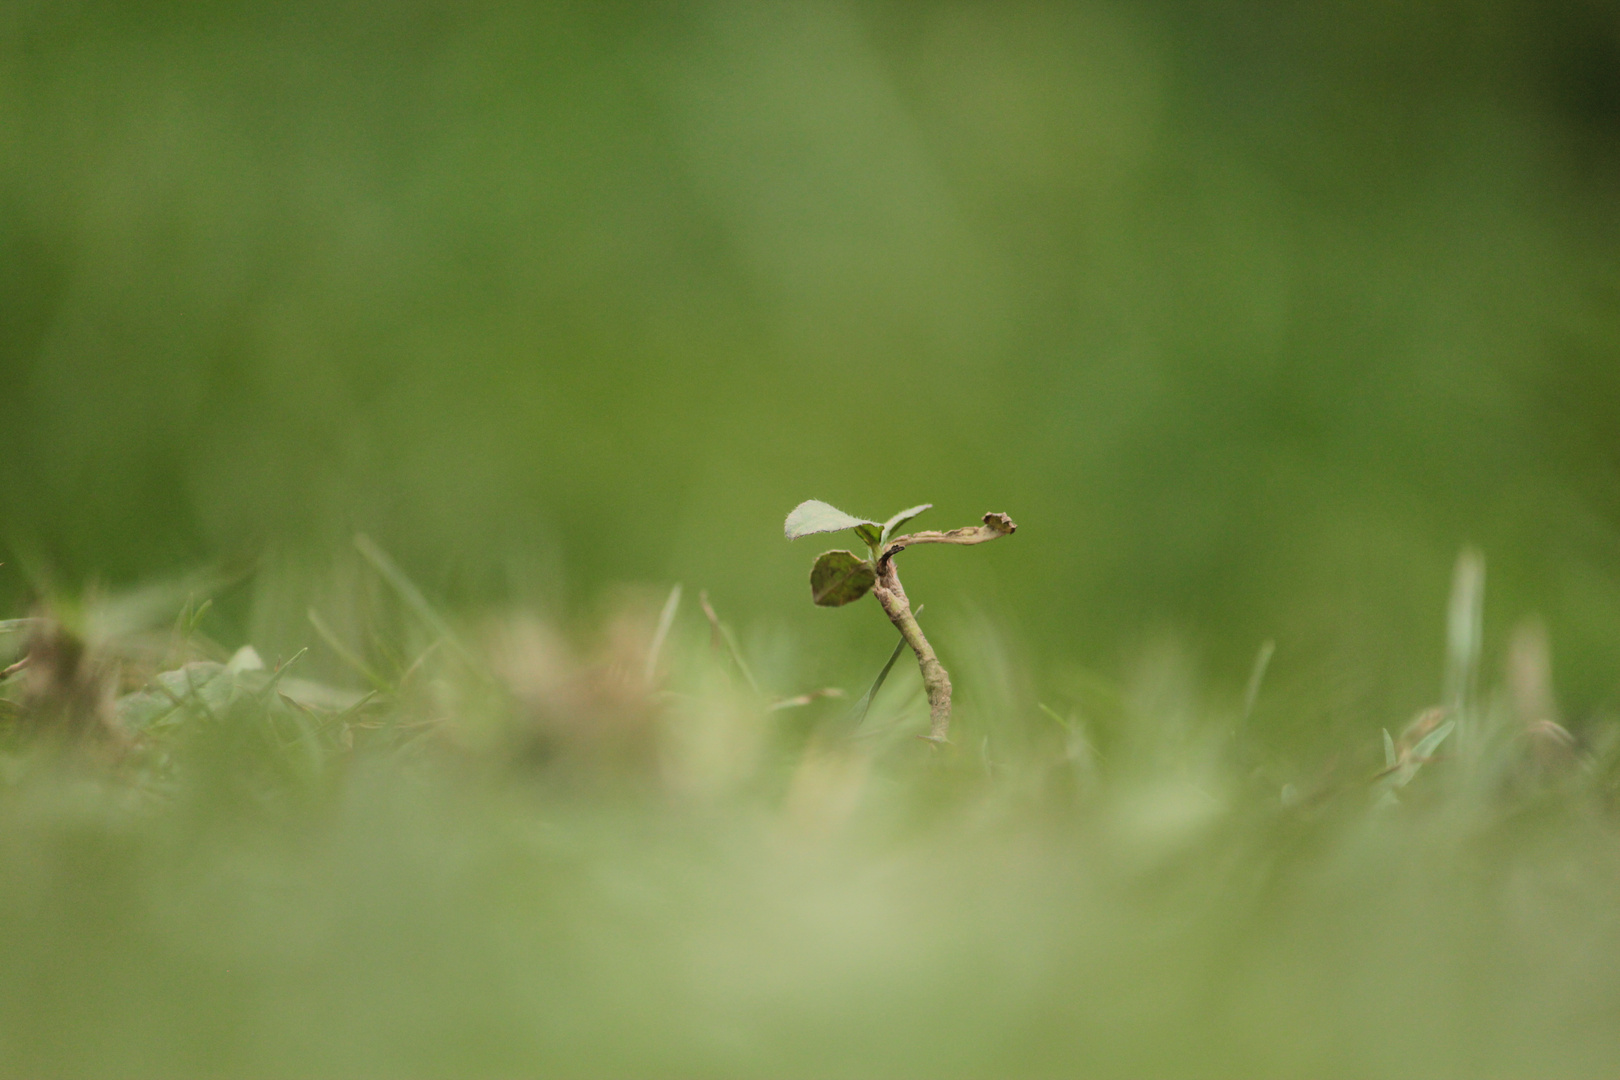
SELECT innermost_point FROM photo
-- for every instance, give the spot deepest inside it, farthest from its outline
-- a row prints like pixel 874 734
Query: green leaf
pixel 815 516
pixel 871 534
pixel 900 519
pixel 839 577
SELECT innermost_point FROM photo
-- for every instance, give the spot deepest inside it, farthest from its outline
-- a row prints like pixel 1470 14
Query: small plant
pixel 840 577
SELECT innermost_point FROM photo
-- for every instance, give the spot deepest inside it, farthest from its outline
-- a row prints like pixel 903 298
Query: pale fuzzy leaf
pixel 902 518
pixel 815 516
pixel 839 577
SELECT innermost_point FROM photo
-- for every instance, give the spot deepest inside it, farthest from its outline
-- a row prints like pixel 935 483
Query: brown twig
pixel 890 593
pixel 936 681
pixel 994 527
pixel 14 668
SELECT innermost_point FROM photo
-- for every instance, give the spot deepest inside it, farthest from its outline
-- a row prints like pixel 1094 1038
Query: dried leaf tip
pixel 1001 523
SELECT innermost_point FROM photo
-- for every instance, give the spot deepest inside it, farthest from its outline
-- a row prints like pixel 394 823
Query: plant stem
pixel 936 682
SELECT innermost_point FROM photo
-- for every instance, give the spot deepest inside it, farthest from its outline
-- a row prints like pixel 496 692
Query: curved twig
pixel 994 527
pixel 887 588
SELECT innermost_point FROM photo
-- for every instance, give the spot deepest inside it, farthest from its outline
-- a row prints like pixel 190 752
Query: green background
pixel 1251 315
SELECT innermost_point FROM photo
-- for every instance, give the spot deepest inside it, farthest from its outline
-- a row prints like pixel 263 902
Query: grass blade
pixel 1464 631
pixel 412 596
pixel 722 632
pixel 857 715
pixel 1257 675
pixel 801 700
pixel 666 619
pixel 347 655
pixel 1424 750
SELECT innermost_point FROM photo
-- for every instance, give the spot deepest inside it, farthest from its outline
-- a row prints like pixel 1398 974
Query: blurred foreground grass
pixel 524 851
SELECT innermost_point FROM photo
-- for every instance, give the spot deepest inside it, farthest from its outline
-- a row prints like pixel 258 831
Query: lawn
pixel 509 848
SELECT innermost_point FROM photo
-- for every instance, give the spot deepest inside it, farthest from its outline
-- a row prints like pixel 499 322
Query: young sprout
pixel 839 577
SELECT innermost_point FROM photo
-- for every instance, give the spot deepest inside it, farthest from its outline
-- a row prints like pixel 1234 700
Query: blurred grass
pixel 528 857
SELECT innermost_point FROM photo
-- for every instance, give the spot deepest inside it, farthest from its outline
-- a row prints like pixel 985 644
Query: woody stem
pixel 936 682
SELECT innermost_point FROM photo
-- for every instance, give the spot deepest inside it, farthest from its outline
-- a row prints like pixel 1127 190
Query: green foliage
pixel 839 577
pixel 815 516
pixel 891 526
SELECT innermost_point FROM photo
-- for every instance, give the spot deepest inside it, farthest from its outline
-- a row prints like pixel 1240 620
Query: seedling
pixel 842 577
